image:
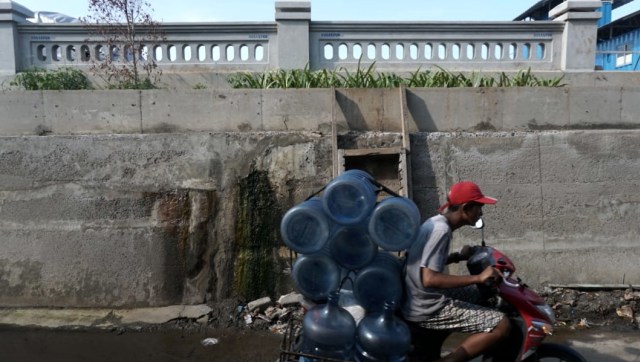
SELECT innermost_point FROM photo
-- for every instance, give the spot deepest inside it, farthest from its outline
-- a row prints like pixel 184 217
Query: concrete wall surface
pixel 103 219
pixel 130 221
pixel 428 110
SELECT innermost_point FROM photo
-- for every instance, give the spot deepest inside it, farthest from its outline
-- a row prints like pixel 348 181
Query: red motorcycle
pixel 531 318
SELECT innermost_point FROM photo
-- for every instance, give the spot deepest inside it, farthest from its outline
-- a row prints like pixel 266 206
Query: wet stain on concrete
pixel 256 236
pixel 19 277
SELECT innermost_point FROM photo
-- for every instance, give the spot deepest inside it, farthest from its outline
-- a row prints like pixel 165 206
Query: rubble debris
pixel 290 299
pixel 248 319
pixel 625 311
pixel 259 304
pixel 630 295
pixel 598 307
pixel 203 320
pixel 573 309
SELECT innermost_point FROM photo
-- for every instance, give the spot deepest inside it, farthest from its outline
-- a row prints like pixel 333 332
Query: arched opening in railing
pixel 143 53
pixel 172 53
pixel 157 53
pixel 128 54
pixel 455 51
pixel 230 53
pixel 471 51
pixel 428 51
pixel 244 52
pixel 357 51
pixel 540 51
pixel 259 52
pixel 343 51
pixel 328 51
pixel 100 54
pixel 442 51
pixel 85 53
pixel 399 51
pixel 413 51
pixel 41 53
pixel 71 53
pixel 371 51
pixel 56 53
pixel 484 51
pixel 513 51
pixel 526 51
pixel 186 53
pixel 216 54
pixel 385 52
pixel 114 53
pixel 202 52
pixel 498 52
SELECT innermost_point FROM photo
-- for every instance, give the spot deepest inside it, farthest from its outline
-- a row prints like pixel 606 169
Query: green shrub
pixel 369 78
pixel 59 79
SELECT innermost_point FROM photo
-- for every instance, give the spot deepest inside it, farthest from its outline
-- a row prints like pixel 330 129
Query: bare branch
pixel 119 32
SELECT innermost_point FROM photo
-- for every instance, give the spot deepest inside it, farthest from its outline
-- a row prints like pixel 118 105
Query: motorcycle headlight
pixel 547 311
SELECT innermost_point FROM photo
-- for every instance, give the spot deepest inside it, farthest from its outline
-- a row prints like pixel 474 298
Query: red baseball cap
pixel 466 191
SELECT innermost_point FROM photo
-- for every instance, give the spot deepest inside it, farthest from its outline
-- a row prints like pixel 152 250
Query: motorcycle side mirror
pixel 480 225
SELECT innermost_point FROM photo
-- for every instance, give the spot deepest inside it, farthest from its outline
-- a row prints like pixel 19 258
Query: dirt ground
pixel 590 308
pixel 573 308
pixel 233 333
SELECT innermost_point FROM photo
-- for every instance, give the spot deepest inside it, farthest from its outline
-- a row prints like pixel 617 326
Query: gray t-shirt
pixel 430 250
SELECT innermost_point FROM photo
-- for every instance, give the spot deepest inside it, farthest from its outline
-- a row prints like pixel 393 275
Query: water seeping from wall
pixel 256 237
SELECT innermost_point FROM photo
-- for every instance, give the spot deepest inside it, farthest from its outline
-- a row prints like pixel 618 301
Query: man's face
pixel 472 212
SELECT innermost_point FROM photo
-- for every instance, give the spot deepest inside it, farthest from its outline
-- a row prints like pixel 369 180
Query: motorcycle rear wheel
pixel 551 352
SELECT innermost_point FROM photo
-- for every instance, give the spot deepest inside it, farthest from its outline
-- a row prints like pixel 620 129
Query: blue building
pixel 618 45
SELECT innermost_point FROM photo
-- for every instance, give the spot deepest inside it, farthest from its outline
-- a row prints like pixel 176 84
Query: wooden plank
pixel 334 137
pixel 374 151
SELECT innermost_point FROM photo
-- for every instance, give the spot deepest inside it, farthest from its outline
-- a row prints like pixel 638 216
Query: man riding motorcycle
pixel 436 300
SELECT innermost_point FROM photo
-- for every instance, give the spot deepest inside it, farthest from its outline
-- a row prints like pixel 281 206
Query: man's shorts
pixel 460 314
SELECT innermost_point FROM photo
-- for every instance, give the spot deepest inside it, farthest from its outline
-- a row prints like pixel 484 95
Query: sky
pixel 321 10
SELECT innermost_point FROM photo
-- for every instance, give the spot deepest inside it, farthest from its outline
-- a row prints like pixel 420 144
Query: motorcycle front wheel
pixel 550 352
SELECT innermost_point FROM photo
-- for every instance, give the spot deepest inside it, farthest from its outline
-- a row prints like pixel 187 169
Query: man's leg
pixel 477 343
pixel 487 327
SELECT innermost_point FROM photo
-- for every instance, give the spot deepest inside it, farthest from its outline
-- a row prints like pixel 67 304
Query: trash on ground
pixel 625 312
pixel 210 341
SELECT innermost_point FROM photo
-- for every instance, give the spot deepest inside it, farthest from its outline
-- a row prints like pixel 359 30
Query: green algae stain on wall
pixel 256 234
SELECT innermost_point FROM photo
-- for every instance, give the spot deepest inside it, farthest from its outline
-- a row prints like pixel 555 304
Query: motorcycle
pixel 531 318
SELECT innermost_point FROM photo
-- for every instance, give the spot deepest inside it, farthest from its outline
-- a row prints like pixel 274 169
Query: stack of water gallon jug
pixel 346 238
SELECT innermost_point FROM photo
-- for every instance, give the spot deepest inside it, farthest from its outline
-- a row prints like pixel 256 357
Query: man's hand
pixel 489 276
pixel 464 254
pixel 467 251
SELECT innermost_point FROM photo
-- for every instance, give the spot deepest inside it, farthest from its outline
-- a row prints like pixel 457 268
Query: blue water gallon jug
pixel 316 275
pixel 379 282
pixel 382 337
pixel 328 330
pixel 305 227
pixel 394 223
pixel 349 198
pixel 352 248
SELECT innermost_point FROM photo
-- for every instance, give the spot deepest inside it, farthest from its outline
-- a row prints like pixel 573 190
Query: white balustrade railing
pixel 294 41
pixel 466 46
pixel 213 46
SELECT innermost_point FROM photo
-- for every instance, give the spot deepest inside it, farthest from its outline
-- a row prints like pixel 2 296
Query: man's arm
pixel 433 279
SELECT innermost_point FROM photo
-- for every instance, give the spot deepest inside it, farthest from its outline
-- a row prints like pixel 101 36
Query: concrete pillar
pixel 11 14
pixel 580 33
pixel 292 18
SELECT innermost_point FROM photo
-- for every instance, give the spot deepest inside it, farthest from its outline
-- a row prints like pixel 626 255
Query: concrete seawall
pixel 130 199
pixel 429 110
